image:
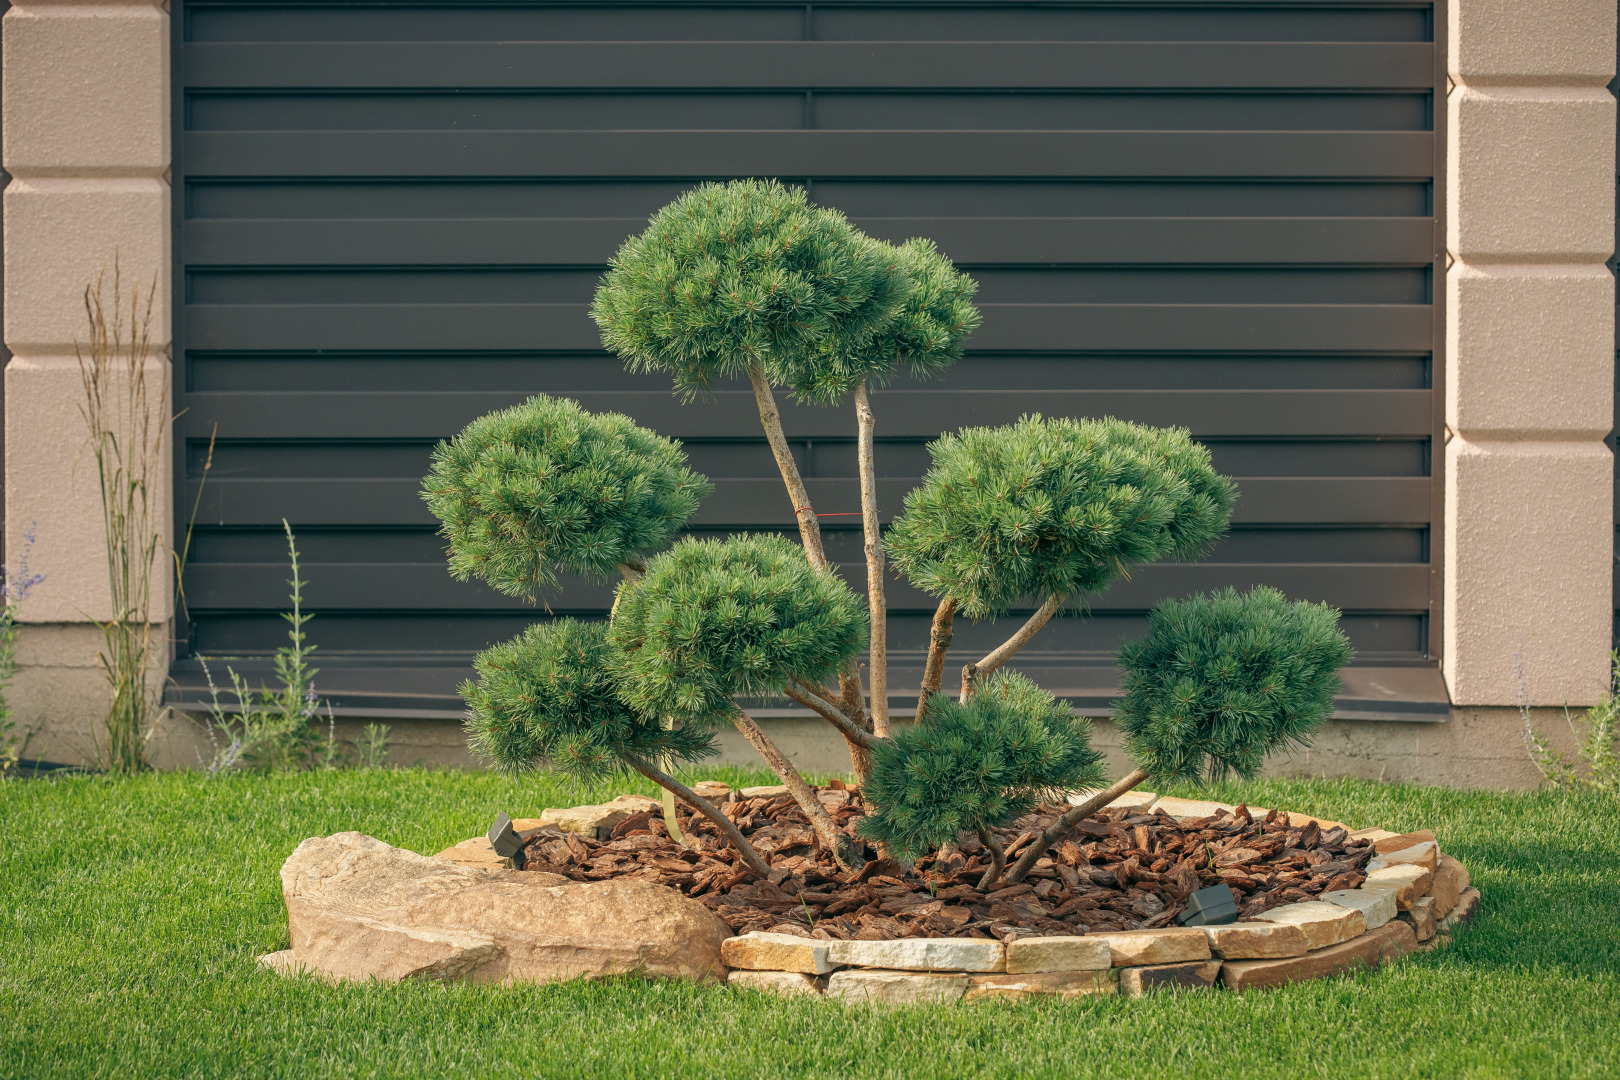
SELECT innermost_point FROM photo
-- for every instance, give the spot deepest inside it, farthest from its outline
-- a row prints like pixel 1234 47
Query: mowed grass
pixel 131 912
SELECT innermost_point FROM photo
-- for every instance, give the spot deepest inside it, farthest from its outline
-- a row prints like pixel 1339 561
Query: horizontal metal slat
pixel 1302 154
pixel 511 65
pixel 424 687
pixel 761 503
pixel 429 587
pixel 900 413
pixel 1108 327
pixel 969 241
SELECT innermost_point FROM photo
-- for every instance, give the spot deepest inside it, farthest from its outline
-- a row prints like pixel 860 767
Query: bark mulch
pixel 1119 870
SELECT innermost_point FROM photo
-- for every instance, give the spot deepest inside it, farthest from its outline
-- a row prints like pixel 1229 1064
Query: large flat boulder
pixel 360 909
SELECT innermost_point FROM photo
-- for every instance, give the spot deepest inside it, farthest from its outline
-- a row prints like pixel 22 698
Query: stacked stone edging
pixel 360 909
pixel 1414 897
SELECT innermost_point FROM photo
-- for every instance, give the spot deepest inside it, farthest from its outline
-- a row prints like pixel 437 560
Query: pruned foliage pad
pixel 973 765
pixel 729 274
pixel 1054 506
pixel 716 618
pixel 1119 870
pixel 545 485
pixel 1223 679
pixel 925 333
pixel 546 698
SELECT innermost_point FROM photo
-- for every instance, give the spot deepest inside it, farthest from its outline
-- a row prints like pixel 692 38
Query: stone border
pixel 1414 898
pixel 361 909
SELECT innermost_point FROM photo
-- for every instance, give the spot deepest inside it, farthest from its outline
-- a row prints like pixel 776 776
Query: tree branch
pixel 846 727
pixel 771 420
pixel 1068 821
pixel 998 858
pixel 866 423
pixel 939 639
pixel 1007 649
pixel 841 846
pixel 727 827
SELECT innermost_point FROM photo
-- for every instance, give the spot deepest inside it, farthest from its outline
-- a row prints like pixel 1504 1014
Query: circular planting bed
pixel 604 889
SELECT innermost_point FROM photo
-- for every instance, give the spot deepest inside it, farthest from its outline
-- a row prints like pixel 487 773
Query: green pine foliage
pixel 925 332
pixel 546 698
pixel 714 618
pixel 985 764
pixel 546 486
pixel 1055 506
pixel 745 271
pixel 1223 679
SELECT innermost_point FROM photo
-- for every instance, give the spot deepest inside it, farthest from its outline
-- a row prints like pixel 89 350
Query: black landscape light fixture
pixel 507 843
pixel 1209 907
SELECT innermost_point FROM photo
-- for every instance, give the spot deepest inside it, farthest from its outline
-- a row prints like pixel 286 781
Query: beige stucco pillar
pixel 1530 318
pixel 84 135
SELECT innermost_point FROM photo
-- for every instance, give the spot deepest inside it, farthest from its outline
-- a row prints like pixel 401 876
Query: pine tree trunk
pixel 841 846
pixel 1068 821
pixel 770 418
pixel 1007 649
pixel 939 640
pixel 727 827
pixel 878 673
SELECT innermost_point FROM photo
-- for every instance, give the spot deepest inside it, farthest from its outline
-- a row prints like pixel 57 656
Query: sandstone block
pixel 1064 984
pixel 1256 940
pixel 1377 905
pixel 1421 918
pixel 1137 948
pixel 1197 974
pixel 585 820
pixel 1368 950
pixel 1409 882
pixel 713 790
pixel 762 951
pixel 921 954
pixel 764 791
pixel 896 987
pixel 282 963
pixel 358 908
pixel 1087 953
pixel 1191 808
pixel 1372 834
pixel 1401 841
pixel 782 983
pixel 1463 914
pixel 1426 855
pixel 1322 924
pixel 1450 879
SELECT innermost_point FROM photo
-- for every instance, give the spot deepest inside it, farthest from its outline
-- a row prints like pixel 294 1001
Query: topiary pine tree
pixel 964 768
pixel 547 698
pixel 749 278
pixel 1220 681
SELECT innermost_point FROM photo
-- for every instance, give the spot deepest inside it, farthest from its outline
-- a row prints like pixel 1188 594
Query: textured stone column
pixel 1529 521
pixel 86 142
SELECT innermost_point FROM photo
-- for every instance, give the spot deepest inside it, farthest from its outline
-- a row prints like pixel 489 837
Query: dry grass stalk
pixel 126 412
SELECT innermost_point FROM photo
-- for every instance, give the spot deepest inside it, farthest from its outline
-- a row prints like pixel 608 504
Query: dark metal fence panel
pixel 391 218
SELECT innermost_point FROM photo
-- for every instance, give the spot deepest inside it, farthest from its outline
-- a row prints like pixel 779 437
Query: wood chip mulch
pixel 1119 870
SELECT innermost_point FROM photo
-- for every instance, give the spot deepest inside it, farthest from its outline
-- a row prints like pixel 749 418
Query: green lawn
pixel 131 912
